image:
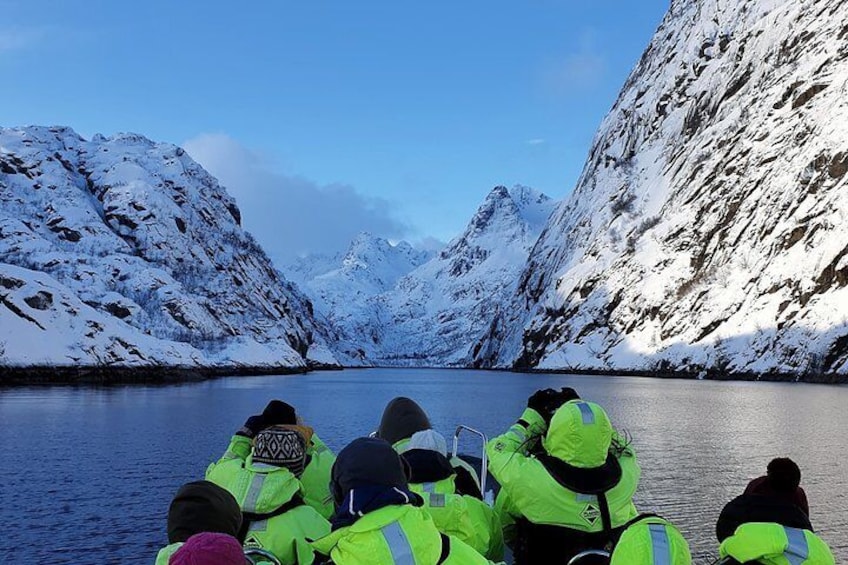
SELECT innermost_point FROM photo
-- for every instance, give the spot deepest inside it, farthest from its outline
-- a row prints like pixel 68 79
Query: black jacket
pixel 757 508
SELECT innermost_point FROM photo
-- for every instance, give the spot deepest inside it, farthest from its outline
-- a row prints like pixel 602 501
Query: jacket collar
pixel 368 498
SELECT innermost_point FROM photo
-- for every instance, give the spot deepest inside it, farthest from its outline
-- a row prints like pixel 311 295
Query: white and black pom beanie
pixel 280 447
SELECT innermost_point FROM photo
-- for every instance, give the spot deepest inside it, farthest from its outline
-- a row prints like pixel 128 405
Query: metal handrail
pixel 484 468
pixel 266 555
pixel 588 553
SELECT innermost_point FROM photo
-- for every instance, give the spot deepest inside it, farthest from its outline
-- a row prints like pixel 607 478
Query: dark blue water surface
pixel 86 474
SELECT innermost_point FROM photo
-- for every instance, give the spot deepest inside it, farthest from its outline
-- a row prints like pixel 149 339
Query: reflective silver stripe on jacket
pixel 437 500
pixel 398 544
pixel 259 526
pixel 797 551
pixel 660 544
pixel 429 487
pixel 519 431
pixel 586 412
pixel 253 493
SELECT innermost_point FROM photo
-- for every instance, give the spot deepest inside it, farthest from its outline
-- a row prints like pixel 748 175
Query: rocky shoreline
pixel 707 374
pixel 106 376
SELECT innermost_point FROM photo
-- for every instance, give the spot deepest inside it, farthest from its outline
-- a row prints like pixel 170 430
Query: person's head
pixel 280 446
pixel 402 418
pixel 429 440
pixel 366 461
pixel 202 506
pixel 784 476
pixel 209 549
pixel 279 413
pixel 650 541
pixel 580 434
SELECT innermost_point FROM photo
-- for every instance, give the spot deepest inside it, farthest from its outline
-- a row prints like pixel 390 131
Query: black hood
pixel 367 461
pixel 427 466
pixel 202 506
pixel 757 508
pixel 402 418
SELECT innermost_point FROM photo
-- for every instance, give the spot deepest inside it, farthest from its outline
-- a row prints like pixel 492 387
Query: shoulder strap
pixel 606 519
pixel 247 518
pixel 445 550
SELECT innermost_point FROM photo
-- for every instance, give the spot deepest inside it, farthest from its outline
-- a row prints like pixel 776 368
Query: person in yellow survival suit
pixel 379 521
pixel 315 478
pixel 765 543
pixel 455 512
pixel 275 516
pixel 567 479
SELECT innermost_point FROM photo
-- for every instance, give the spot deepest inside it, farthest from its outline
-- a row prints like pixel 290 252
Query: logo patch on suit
pixel 591 514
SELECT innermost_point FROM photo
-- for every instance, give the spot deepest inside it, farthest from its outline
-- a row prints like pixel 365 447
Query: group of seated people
pixel 565 478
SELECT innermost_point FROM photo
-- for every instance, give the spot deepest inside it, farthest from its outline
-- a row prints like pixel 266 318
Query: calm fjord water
pixel 87 474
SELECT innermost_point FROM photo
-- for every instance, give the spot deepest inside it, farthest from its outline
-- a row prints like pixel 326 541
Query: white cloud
pixel 291 215
pixel 537 141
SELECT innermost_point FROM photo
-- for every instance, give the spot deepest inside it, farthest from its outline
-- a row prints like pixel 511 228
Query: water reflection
pixel 88 473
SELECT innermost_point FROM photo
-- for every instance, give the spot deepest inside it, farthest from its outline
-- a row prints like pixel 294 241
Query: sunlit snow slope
pixel 122 251
pixel 708 229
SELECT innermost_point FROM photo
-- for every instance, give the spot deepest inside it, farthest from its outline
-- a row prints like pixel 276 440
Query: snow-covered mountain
pixel 121 251
pixel 342 287
pixel 708 227
pixel 370 265
pixel 392 308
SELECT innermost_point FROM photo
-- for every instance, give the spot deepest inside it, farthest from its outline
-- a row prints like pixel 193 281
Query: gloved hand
pixel 545 402
pixel 279 413
pixel 252 426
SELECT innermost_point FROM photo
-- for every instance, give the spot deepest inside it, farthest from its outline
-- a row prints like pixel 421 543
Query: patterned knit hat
pixel 280 447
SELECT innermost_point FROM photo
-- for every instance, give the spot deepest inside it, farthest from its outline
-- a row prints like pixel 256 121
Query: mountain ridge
pixel 135 249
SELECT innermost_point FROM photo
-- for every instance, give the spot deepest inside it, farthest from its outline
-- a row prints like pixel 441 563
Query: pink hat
pixel 209 548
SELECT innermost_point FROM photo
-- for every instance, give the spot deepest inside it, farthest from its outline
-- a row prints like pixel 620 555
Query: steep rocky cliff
pixel 122 251
pixel 707 229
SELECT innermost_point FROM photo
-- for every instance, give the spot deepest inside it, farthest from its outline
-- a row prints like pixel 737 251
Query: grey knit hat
pixel 280 447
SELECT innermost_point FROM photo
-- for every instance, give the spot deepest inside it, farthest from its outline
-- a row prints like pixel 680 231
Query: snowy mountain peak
pixel 369 251
pixel 498 207
pixel 133 241
pixel 433 311
pixel 502 221
pixel 534 206
pixel 365 250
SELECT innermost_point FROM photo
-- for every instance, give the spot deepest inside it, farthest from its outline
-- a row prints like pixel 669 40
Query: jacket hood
pixel 370 498
pixel 367 461
pixel 580 434
pixel 641 540
pixel 402 418
pixel 427 466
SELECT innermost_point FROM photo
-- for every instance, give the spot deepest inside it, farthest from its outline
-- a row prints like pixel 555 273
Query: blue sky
pixel 335 117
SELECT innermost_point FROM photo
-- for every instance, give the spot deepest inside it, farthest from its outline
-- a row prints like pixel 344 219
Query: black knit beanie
pixel 279 413
pixel 202 506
